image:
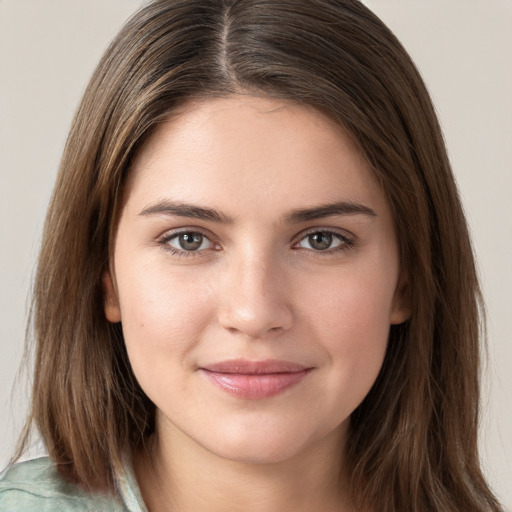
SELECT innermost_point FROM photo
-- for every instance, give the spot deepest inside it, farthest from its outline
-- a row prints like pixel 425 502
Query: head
pixel 418 422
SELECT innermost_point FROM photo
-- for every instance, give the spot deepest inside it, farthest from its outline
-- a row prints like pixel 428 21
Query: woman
pixel 256 288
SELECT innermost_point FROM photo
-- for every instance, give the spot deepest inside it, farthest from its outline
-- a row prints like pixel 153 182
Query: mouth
pixel 255 380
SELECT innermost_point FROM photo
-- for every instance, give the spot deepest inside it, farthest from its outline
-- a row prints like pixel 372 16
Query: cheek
pixel 355 302
pixel 162 316
pixel 352 318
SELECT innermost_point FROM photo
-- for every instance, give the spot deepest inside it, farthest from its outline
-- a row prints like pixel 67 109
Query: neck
pixel 176 474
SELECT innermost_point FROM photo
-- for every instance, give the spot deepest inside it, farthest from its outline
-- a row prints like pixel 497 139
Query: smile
pixel 255 380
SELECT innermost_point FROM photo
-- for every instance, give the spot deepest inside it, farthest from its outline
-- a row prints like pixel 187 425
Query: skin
pixel 257 288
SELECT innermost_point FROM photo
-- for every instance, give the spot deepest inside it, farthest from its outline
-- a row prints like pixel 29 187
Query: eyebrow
pixel 167 207
pixel 179 209
pixel 327 210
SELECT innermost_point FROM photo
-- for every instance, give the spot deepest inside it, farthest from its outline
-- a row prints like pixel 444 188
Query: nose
pixel 254 300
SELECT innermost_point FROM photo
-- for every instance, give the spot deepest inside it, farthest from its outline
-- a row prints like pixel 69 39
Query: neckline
pixel 129 488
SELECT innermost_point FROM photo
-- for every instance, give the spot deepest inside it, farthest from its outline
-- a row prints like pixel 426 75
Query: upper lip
pixel 246 367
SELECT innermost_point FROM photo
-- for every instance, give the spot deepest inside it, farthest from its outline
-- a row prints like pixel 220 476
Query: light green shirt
pixel 36 486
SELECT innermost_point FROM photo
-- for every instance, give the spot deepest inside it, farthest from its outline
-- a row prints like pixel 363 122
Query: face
pixel 256 275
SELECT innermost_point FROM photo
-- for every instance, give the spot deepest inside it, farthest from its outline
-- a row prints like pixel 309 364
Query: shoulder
pixel 36 485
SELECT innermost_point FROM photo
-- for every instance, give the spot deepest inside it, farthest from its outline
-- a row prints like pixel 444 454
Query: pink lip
pixel 254 379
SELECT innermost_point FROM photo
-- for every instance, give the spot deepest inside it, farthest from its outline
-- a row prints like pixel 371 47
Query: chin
pixel 255 453
pixel 262 443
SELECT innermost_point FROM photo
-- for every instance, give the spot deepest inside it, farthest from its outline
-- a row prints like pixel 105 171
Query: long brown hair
pixel 412 444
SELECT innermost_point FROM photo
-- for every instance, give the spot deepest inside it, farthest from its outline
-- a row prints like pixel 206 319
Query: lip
pixel 255 380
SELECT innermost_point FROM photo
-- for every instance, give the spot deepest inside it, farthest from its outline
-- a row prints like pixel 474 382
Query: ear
pixel 401 307
pixel 110 300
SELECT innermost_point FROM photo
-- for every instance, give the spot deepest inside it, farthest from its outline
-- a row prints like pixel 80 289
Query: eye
pixel 187 241
pixel 328 241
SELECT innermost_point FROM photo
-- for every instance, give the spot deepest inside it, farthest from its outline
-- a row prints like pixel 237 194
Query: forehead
pixel 231 151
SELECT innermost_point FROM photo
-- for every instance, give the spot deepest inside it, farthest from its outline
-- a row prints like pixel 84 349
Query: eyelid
pixel 343 233
pixel 349 239
pixel 163 239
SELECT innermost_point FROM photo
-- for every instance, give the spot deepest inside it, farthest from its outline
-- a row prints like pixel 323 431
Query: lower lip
pixel 255 386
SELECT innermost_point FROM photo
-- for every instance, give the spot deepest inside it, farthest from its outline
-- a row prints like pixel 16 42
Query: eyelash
pixel 346 243
pixel 164 240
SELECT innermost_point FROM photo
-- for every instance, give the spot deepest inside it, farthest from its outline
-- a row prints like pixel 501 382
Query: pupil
pixel 191 241
pixel 320 241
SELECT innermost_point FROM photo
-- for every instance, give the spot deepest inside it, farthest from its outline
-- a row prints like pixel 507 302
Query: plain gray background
pixel 48 49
